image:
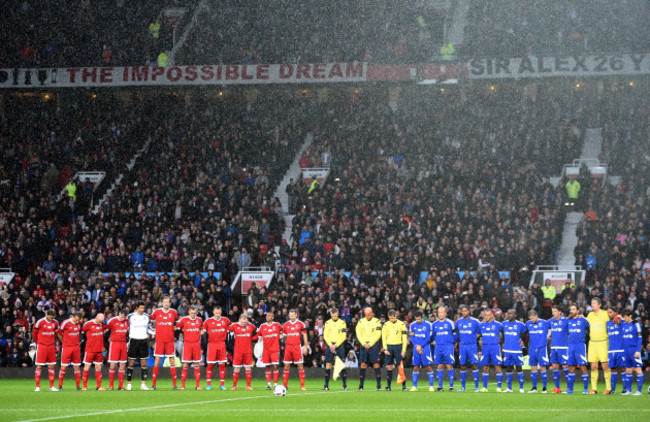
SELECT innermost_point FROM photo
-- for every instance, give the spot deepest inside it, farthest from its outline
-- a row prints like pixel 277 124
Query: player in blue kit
pixel 468 332
pixel 537 349
pixel 444 334
pixel 490 349
pixel 513 356
pixel 632 343
pixel 615 351
pixel 420 335
pixel 559 347
pixel 578 327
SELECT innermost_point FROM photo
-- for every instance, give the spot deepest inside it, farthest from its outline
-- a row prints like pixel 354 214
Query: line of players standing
pixel 128 344
pixel 567 335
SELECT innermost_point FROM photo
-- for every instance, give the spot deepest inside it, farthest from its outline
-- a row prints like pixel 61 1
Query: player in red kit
pixel 44 334
pixel 191 326
pixel 69 333
pixel 164 319
pixel 217 329
pixel 243 355
pixel 270 333
pixel 293 330
pixel 118 327
pixel 94 330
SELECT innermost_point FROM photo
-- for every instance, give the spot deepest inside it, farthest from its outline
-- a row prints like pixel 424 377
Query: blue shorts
pixel 340 352
pixel 468 354
pixel 630 360
pixel 538 356
pixel 395 354
pixel 370 356
pixel 616 359
pixel 513 358
pixel 560 356
pixel 423 359
pixel 491 355
pixel 577 355
pixel 444 355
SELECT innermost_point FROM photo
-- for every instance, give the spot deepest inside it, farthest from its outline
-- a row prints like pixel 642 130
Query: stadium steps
pixel 456 31
pixel 119 178
pixel 593 144
pixel 569 238
pixel 203 4
pixel 293 173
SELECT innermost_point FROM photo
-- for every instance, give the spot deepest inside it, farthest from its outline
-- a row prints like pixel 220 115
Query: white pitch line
pixel 167 406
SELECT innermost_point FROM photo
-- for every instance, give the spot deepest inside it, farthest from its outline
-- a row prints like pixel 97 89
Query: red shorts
pixel 45 355
pixel 242 359
pixel 217 353
pixel 270 358
pixel 292 353
pixel 93 357
pixel 71 356
pixel 117 352
pixel 164 349
pixel 192 352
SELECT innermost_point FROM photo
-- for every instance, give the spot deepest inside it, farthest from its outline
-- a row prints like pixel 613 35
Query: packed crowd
pixel 79 33
pixel 379 31
pixel 200 200
pixel 515 28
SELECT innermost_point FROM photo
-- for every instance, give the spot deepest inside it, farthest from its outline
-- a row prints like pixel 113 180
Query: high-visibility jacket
pixel 154 29
pixel 549 292
pixel 71 188
pixel 573 188
pixel 313 186
pixel 447 51
pixel 163 60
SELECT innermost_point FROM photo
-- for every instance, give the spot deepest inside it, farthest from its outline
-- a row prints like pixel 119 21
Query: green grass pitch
pixel 19 402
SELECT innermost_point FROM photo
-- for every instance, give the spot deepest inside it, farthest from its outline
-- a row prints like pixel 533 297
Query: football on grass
pixel 279 390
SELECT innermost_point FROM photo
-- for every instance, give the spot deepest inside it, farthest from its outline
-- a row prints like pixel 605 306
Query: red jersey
pixel 293 331
pixel 270 334
pixel 191 329
pixel 243 337
pixel 217 329
pixel 45 332
pixel 164 324
pixel 94 337
pixel 118 329
pixel 70 332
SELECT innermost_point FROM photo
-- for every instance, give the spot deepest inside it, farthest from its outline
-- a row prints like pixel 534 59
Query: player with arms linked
pixel 468 333
pixel 118 327
pixel 577 350
pixel 191 326
pixel 69 336
pixel 243 354
pixel 537 349
pixel 164 319
pixel 632 343
pixel 270 333
pixel 559 347
pixel 616 353
pixel 513 357
pixel 444 335
pixel 217 329
pixel 420 333
pixel 490 350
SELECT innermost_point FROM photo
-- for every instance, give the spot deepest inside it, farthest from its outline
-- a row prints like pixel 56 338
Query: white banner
pixel 539 67
pixel 260 278
pixel 184 75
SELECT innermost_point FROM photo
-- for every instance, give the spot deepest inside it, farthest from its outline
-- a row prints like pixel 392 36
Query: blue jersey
pixel 577 330
pixel 421 333
pixel 468 330
pixel 615 335
pixel 444 332
pixel 512 332
pixel 631 336
pixel 490 332
pixel 559 333
pixel 538 333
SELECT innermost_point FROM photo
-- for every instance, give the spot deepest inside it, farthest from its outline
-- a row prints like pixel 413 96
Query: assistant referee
pixel 335 333
pixel 598 345
pixel 394 338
